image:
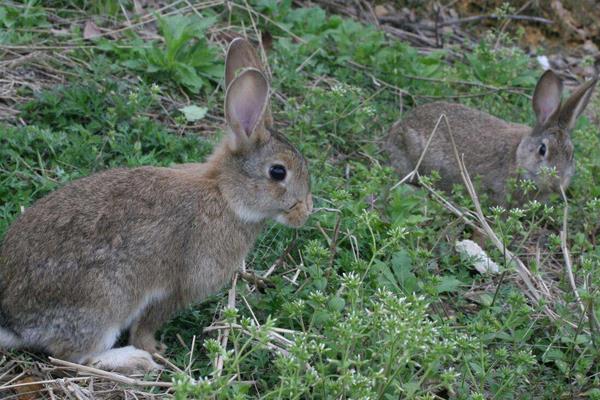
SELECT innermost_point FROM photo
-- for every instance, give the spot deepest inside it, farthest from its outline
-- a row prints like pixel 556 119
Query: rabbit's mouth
pixel 297 214
pixel 529 175
pixel 546 181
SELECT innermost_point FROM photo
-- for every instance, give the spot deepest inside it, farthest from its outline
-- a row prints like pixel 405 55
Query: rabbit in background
pixel 128 248
pixel 494 150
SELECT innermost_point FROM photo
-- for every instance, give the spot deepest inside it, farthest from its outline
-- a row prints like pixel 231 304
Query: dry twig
pixel 112 376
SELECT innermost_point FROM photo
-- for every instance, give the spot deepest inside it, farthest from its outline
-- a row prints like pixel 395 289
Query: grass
pixel 369 299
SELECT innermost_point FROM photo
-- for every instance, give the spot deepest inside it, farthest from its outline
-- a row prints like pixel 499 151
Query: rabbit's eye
pixel 277 172
pixel 542 149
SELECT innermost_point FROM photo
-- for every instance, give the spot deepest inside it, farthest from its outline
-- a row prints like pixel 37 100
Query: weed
pixel 185 58
pixel 16 22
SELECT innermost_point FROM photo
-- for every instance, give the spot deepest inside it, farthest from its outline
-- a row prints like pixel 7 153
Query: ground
pixel 370 299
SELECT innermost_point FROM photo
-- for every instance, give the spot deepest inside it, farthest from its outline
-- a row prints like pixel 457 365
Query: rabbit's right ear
pixel 546 97
pixel 575 104
pixel 246 102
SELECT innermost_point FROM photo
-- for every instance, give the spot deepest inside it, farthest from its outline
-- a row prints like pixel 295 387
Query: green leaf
pixel 448 284
pixel 202 24
pixel 132 64
pixel 336 303
pixel 486 299
pixel 320 283
pixel 105 44
pixel 188 77
pixel 320 317
pixel 553 355
pixel 194 113
pixel 402 268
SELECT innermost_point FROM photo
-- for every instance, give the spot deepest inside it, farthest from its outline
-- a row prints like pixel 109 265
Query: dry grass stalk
pixel 415 171
pixel 112 376
pixel 5 388
pixel 566 253
pixel 224 333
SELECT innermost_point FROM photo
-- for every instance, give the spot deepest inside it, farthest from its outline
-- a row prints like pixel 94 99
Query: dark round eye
pixel 277 172
pixel 542 149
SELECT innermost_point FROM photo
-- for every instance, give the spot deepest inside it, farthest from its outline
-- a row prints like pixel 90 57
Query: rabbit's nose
pixel 309 203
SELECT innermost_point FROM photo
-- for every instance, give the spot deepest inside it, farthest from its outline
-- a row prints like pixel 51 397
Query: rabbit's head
pixel 261 174
pixel 546 154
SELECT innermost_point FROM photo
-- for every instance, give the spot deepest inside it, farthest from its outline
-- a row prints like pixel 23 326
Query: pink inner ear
pixel 245 101
pixel 546 104
pixel 547 108
pixel 247 116
pixel 546 97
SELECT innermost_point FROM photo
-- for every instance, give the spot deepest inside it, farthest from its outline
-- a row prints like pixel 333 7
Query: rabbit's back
pixel 487 144
pixel 110 214
pixel 83 259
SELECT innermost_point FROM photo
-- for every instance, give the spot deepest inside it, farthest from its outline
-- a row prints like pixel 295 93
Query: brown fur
pixel 494 150
pixel 127 248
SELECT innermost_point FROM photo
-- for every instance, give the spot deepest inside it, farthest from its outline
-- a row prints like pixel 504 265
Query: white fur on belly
pixel 9 340
pixel 148 299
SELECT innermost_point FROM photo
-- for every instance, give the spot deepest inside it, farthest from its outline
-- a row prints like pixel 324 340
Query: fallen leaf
pixel 91 30
pixel 28 392
pixel 194 113
pixel 477 256
pixel 381 11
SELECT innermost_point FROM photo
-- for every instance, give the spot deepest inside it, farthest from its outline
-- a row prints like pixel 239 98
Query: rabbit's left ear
pixel 242 55
pixel 575 105
pixel 546 97
pixel 246 101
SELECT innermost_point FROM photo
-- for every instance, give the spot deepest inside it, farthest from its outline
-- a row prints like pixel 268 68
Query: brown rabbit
pixel 128 248
pixel 493 149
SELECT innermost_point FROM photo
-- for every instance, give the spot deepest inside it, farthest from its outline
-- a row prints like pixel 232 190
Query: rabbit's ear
pixel 575 105
pixel 546 97
pixel 241 55
pixel 245 105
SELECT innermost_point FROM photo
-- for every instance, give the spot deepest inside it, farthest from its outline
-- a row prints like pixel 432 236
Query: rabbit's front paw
pixel 127 360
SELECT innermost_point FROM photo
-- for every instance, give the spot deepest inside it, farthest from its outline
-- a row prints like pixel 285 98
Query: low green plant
pixel 185 57
pixel 17 22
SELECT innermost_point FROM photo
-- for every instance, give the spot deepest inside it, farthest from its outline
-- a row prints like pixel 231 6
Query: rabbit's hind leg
pixel 141 333
pixel 71 343
pixel 400 145
pixel 8 340
pixel 92 345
